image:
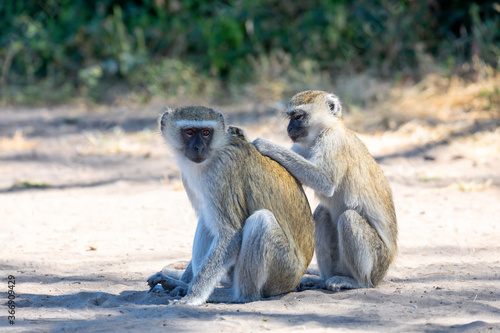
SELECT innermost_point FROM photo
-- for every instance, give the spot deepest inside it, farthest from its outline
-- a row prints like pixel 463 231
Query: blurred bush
pixel 194 47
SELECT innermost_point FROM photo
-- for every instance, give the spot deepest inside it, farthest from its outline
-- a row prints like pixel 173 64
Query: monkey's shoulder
pixel 242 150
pixel 269 170
pixel 239 145
pixel 343 144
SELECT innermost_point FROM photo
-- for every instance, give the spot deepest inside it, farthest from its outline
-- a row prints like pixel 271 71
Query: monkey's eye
pixel 189 131
pixel 299 116
pixel 205 132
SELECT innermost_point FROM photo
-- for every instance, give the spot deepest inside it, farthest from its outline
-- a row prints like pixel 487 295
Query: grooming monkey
pixel 355 222
pixel 255 223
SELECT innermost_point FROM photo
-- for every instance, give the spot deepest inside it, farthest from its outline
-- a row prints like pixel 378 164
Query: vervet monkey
pixel 254 223
pixel 355 222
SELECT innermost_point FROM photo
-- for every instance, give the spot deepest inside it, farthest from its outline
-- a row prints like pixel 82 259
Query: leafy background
pixel 98 50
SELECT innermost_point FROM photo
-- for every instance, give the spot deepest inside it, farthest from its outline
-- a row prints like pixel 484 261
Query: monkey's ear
pixel 221 117
pixel 164 117
pixel 334 105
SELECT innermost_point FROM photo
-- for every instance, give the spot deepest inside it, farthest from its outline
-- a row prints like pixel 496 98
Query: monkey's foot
pixel 337 283
pixel 310 283
pixel 188 301
pixel 178 291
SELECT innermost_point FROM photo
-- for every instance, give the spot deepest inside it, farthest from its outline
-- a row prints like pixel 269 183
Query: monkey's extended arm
pixel 306 172
pixel 222 255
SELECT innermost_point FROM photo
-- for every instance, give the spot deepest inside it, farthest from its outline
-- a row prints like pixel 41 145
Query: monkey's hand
pixel 166 282
pixel 280 154
pixel 302 169
pixel 236 131
pixel 264 147
pixel 155 279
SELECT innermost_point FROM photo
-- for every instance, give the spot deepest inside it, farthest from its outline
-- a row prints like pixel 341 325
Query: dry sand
pixel 115 213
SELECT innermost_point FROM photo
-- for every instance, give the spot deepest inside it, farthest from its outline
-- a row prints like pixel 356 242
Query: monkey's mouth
pixel 197 159
pixel 297 137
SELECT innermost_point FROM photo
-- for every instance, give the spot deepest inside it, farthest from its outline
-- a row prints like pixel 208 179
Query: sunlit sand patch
pixel 17 142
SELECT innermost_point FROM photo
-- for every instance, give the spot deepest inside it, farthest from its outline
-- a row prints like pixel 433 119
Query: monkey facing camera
pixel 355 221
pixel 255 225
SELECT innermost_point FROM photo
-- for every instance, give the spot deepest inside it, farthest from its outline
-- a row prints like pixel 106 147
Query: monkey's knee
pixel 172 272
pixel 262 217
pixel 257 234
pixel 321 214
pixel 326 242
pixel 258 226
pixel 263 250
pixel 363 250
pixel 358 243
pixel 323 225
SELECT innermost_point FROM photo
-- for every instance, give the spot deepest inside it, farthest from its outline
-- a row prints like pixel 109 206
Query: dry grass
pixel 447 99
pixel 472 186
pixel 17 142
pixel 437 109
pixel 434 100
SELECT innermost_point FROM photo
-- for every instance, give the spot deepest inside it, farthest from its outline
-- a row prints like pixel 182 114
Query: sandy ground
pixel 114 212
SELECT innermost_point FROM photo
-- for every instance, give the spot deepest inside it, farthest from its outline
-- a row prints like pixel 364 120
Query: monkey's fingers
pixel 236 131
pixel 262 146
pixel 169 283
pixel 152 288
pixel 155 279
pixel 310 283
pixel 337 283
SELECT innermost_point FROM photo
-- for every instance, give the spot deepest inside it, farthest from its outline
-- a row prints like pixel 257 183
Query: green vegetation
pixel 429 179
pixel 195 48
pixel 29 185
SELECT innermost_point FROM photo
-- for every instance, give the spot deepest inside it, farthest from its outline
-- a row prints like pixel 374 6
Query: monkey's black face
pixel 197 143
pixel 297 127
